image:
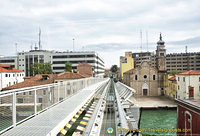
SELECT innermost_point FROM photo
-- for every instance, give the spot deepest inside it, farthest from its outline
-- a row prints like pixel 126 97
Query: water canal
pixel 157 119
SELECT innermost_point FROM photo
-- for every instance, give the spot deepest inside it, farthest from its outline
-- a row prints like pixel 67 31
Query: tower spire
pixel 160 36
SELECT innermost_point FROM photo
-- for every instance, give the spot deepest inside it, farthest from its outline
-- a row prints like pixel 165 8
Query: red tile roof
pixel 69 75
pixel 172 78
pixel 8 68
pixel 190 72
pixel 34 81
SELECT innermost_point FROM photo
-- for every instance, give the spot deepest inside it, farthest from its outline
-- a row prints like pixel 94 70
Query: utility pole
pixel 73 44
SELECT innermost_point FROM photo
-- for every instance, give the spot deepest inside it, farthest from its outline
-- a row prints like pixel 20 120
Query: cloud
pixel 110 26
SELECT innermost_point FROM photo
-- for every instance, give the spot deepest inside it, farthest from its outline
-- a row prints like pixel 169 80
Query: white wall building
pixel 188 84
pixel 10 76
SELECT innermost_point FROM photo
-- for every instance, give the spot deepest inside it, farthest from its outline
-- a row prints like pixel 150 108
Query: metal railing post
pixel 14 109
pixel 58 91
pixel 65 92
pixel 48 95
pixel 35 101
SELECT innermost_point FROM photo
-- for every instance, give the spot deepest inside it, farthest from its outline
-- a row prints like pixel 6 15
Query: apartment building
pixel 183 61
pixel 174 61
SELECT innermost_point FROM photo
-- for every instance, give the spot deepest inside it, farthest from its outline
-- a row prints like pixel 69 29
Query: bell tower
pixel 161 64
pixel 161 55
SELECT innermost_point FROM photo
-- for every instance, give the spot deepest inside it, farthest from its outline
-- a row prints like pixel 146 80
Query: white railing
pixel 18 105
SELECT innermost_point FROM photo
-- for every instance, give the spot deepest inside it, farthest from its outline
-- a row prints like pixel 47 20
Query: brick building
pixel 85 69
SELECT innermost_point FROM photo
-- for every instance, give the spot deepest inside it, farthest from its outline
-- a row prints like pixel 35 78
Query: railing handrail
pixel 40 86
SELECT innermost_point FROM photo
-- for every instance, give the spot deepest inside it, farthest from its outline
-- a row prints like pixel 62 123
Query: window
pixel 24 93
pixel 40 100
pixel 154 77
pixel 145 76
pixel 178 87
pixel 20 100
pixel 135 77
pixel 44 92
pixel 199 79
pixel 178 79
pixel 30 93
pixel 183 79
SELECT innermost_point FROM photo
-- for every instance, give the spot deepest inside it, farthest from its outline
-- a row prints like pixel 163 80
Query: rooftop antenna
pixel 16 47
pixel 39 43
pixel 147 40
pixel 73 44
pixel 186 51
pixel 141 40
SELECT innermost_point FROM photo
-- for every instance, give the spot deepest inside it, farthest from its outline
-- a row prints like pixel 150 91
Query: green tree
pixel 114 68
pixel 40 68
pixel 68 67
pixel 174 72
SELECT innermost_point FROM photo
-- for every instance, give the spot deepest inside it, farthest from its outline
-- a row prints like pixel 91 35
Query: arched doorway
pixel 145 90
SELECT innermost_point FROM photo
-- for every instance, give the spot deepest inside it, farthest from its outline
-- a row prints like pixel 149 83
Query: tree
pixel 174 72
pixel 114 68
pixel 40 68
pixel 68 67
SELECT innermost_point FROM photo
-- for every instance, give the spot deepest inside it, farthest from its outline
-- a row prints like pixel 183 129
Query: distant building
pixel 170 87
pixel 11 60
pixel 85 69
pixel 126 63
pixel 60 58
pixel 188 114
pixel 174 61
pixel 10 76
pixel 146 79
pixel 188 84
pixel 57 59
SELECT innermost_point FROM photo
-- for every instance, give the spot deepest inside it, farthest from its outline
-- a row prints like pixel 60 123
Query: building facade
pixel 174 61
pixel 188 114
pixel 12 60
pixel 24 60
pixel 126 63
pixel 147 79
pixel 10 76
pixel 144 79
pixel 188 84
pixel 170 86
pixel 85 69
pixel 60 58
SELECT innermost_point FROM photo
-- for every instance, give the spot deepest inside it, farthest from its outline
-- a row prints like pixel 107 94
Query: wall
pixel 190 80
pixel 126 66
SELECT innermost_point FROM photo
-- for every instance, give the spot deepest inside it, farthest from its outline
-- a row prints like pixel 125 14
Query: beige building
pixel 188 84
pixel 144 79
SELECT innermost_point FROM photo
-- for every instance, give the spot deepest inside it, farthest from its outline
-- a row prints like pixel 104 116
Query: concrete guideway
pixel 52 121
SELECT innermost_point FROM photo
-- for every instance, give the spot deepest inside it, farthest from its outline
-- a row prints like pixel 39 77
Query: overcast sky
pixel 109 27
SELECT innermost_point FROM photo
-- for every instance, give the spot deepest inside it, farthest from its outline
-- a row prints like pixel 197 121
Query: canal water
pixel 159 121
